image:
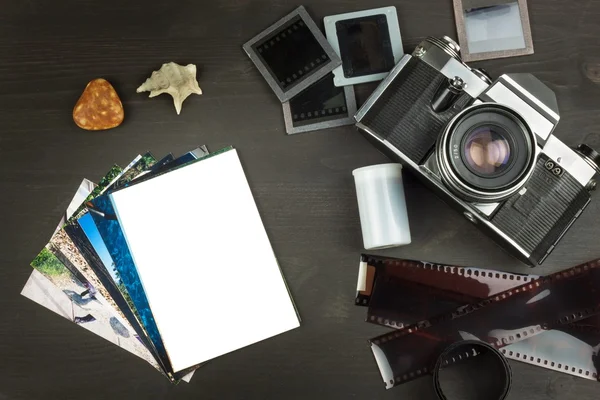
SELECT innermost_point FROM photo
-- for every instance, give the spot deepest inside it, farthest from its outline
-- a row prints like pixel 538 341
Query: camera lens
pixel 487 150
pixel 486 153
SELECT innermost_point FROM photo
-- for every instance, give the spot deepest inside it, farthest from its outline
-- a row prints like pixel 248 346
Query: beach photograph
pixel 85 307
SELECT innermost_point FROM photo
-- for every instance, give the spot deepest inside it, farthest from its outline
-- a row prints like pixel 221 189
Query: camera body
pixel 486 148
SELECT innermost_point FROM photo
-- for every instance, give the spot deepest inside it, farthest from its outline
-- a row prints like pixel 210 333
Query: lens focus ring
pixel 486 153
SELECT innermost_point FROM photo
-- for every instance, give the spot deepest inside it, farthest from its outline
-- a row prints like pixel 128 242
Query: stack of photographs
pixel 161 256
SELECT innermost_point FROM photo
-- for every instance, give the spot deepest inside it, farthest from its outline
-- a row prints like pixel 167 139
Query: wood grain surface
pixel 49 50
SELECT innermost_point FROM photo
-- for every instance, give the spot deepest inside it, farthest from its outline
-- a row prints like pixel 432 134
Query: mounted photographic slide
pixel 321 106
pixel 493 28
pixel 368 42
pixel 292 54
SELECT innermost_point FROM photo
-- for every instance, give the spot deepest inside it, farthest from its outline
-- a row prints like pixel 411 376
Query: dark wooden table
pixel 49 50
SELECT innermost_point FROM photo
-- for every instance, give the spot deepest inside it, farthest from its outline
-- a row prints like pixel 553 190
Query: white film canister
pixel 382 206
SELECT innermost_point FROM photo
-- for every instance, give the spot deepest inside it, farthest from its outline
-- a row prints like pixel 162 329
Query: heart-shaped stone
pixel 99 107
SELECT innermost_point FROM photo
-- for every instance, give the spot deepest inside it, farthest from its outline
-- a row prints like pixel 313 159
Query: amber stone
pixel 99 107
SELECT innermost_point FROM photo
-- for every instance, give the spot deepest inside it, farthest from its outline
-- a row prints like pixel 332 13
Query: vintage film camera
pixel 486 148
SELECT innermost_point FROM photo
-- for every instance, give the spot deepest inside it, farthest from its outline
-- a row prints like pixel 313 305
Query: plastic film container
pixel 382 206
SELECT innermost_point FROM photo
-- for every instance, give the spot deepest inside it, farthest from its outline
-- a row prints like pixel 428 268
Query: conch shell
pixel 174 79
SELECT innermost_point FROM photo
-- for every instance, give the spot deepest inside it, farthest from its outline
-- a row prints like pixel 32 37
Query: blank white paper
pixel 211 277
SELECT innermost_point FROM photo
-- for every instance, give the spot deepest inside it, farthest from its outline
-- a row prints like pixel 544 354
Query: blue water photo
pixel 110 231
pixel 89 228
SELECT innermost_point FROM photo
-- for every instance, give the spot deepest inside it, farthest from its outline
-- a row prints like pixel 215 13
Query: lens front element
pixel 487 150
pixel 486 153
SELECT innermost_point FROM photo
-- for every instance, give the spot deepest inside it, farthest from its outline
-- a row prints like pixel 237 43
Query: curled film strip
pixel 443 304
pixel 497 379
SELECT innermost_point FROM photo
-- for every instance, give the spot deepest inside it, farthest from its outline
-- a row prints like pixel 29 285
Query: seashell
pixel 174 79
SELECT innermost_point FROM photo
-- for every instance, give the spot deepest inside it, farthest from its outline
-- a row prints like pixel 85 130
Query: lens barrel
pixel 486 153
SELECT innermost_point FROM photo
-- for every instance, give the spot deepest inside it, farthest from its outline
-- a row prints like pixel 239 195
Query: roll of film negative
pixel 499 377
pixel 405 293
